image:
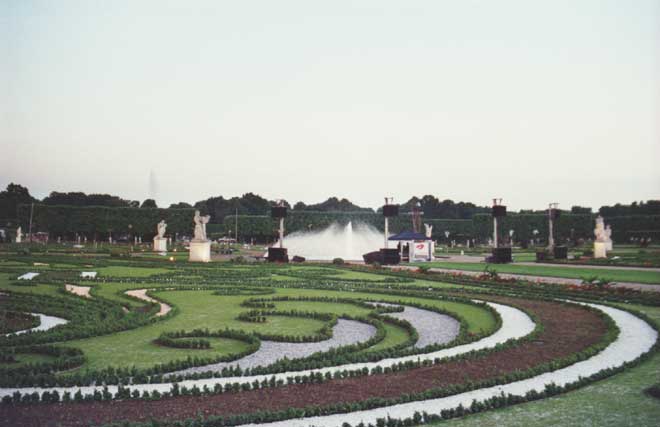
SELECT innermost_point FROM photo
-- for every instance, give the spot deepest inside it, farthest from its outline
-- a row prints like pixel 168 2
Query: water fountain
pixel 348 242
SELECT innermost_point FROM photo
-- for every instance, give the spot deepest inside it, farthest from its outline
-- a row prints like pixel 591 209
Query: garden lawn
pixel 197 309
pixel 636 276
pixel 118 271
pixel 6 280
pixel 478 318
pixel 24 358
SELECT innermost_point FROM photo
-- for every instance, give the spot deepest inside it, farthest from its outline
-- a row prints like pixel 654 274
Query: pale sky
pixel 531 101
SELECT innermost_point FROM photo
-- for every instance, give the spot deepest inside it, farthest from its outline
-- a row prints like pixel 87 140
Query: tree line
pixel 78 212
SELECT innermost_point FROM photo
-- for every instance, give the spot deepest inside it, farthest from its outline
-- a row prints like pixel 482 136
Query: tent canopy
pixel 409 235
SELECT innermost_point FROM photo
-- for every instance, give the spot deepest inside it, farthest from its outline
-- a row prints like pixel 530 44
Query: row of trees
pixel 97 215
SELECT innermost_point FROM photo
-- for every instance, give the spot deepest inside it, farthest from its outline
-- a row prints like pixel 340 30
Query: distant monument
pixel 19 235
pixel 608 234
pixel 600 244
pixel 200 246
pixel 160 242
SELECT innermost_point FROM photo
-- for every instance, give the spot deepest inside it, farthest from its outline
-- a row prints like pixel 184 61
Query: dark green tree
pixel 180 205
pixel 149 203
pixel 14 195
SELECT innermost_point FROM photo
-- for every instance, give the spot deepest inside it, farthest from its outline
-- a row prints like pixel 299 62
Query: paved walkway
pixel 542 279
pixel 142 294
pixel 480 258
pixel 594 267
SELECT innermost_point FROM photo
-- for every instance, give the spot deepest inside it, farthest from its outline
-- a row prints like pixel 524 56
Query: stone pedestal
pixel 501 256
pixel 278 255
pixel 200 251
pixel 160 245
pixel 600 250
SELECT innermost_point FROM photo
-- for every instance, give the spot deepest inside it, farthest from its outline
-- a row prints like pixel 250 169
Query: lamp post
pixel 280 254
pixel 388 202
pixel 500 255
pixel 553 213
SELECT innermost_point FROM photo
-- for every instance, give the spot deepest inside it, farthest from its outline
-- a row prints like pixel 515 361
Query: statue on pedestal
pixel 200 246
pixel 160 242
pixel 600 244
pixel 600 232
pixel 608 237
pixel 19 234
pixel 160 229
pixel 200 226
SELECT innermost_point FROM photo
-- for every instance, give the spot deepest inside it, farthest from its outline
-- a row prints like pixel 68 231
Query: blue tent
pixel 409 235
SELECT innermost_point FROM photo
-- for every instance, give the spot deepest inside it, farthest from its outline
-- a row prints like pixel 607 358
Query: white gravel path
pixel 515 324
pixel 142 294
pixel 345 332
pixel 46 322
pixel 432 327
pixel 635 339
pixel 28 276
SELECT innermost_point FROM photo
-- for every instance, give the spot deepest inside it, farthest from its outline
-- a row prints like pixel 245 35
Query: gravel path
pixel 142 294
pixel 28 276
pixel 541 279
pixel 515 324
pixel 82 291
pixel 432 327
pixel 635 339
pixel 345 332
pixel 45 323
pixel 588 266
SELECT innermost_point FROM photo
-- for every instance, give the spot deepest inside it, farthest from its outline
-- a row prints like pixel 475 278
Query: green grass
pixel 478 319
pixel 394 335
pixel 638 276
pixel 25 358
pixel 6 280
pixel 197 309
pixel 202 309
pixel 117 271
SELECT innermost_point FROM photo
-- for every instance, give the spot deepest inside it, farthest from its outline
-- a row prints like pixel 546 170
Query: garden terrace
pixel 558 339
pixel 223 313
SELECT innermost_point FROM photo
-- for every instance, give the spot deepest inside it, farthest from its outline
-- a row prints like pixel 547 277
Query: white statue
pixel 599 231
pixel 601 242
pixel 200 226
pixel 160 229
pixel 608 237
pixel 19 235
pixel 429 229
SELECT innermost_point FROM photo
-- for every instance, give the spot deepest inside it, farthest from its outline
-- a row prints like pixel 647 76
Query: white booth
pixel 414 247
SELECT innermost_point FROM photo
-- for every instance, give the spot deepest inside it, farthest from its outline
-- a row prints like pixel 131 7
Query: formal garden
pixel 157 340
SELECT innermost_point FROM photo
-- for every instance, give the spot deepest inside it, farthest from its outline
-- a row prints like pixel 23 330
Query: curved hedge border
pixel 266 416
pixel 30 373
pixel 24 321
